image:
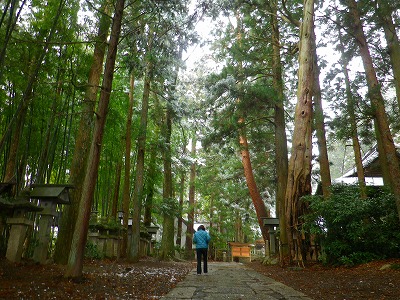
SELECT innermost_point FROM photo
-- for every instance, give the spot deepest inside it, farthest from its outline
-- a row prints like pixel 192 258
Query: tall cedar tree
pixel 281 150
pixel 133 248
pixel 81 150
pixel 75 260
pixel 299 173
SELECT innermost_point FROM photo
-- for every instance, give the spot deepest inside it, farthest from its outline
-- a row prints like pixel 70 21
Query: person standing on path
pixel 201 239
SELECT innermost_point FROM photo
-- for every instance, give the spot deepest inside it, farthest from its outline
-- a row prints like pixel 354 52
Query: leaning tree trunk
pixel 75 260
pixel 82 143
pixel 299 173
pixel 255 195
pixel 386 147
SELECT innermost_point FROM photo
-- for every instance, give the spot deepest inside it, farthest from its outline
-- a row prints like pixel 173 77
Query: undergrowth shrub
pixel 352 230
pixel 92 251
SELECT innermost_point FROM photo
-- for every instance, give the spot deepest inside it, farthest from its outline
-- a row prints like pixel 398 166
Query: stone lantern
pixel 49 196
pixel 272 223
pixel 20 222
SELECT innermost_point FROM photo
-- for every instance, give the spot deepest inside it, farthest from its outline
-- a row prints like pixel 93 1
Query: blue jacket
pixel 201 239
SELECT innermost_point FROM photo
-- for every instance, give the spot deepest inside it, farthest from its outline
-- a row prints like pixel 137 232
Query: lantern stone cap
pixel 20 203
pixel 270 221
pixel 57 193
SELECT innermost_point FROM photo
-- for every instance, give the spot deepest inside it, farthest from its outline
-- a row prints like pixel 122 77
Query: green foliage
pixel 395 266
pixel 106 224
pixel 91 251
pixel 352 230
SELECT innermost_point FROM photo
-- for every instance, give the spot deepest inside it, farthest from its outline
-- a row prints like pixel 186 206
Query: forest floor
pixel 374 280
pixel 151 279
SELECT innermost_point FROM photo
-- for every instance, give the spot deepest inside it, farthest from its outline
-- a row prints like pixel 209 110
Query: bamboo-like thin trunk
pixel 126 199
pixel 192 179
pixel 353 124
pixel 319 121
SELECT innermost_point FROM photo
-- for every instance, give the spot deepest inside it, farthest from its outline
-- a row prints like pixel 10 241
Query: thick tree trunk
pixel 75 261
pixel 82 144
pixel 386 146
pixel 133 251
pixel 190 222
pixel 167 242
pixel 281 151
pixel 299 174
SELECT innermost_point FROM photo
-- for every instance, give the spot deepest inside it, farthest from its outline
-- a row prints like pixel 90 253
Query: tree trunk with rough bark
pixel 299 173
pixel 133 248
pixel 258 202
pixel 75 260
pixel 281 150
pixel 82 144
pixel 167 248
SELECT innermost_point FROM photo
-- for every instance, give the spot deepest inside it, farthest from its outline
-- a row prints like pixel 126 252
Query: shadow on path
pixel 232 281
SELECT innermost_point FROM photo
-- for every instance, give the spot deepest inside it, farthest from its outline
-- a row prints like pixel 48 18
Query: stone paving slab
pixel 232 281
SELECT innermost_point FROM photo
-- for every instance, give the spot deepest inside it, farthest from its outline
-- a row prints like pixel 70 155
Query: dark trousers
pixel 201 253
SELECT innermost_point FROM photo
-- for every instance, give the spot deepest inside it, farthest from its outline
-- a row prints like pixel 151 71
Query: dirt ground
pixel 151 279
pixel 367 281
pixel 148 279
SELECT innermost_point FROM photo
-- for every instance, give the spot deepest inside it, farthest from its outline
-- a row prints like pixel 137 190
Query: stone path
pixel 232 281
